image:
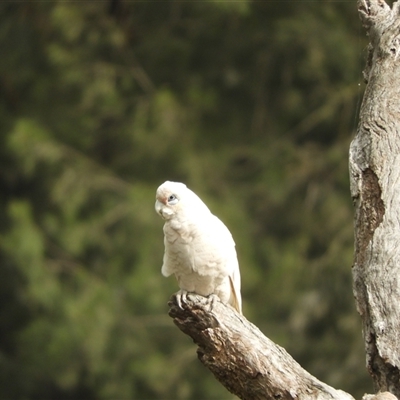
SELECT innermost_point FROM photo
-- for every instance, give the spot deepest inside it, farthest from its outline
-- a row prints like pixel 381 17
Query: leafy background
pixel 251 103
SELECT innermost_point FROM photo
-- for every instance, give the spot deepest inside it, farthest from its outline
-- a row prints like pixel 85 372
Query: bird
pixel 199 248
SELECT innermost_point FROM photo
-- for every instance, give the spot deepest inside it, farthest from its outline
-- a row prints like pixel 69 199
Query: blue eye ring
pixel 172 199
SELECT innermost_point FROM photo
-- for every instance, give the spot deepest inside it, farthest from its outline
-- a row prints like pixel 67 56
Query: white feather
pixel 199 249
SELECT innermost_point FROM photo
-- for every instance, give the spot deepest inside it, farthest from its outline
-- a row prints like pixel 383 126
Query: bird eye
pixel 172 200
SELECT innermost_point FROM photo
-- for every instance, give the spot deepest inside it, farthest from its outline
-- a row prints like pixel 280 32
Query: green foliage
pixel 253 105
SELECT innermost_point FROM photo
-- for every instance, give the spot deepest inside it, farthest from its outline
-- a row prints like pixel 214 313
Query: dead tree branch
pixel 245 361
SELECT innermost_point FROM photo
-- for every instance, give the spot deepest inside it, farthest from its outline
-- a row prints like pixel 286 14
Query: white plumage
pixel 199 249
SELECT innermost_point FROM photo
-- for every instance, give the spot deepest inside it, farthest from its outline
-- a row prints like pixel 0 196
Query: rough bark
pixel 375 189
pixel 245 361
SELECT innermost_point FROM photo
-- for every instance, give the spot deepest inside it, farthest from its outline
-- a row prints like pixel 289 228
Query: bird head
pixel 174 198
pixel 168 197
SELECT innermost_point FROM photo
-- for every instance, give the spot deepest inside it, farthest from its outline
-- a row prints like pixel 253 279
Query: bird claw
pixel 181 297
pixel 212 298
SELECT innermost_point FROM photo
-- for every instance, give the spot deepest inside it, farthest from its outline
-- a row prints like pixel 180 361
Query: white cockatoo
pixel 199 249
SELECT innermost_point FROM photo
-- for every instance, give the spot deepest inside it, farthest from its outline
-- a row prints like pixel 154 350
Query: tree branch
pixel 246 362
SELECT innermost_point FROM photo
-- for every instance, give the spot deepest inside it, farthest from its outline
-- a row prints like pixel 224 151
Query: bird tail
pixel 236 298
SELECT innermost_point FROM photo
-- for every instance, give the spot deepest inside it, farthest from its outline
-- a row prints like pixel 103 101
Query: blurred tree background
pixel 252 104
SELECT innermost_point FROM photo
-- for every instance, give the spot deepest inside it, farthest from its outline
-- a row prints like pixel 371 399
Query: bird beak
pixel 158 206
pixel 164 211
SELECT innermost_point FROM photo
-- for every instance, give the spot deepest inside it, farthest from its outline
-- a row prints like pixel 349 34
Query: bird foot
pixel 212 299
pixel 181 297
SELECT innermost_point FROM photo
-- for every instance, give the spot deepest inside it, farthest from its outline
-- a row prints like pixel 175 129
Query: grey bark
pixel 245 361
pixel 375 189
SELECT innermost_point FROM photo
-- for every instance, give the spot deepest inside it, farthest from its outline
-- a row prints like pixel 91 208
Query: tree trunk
pixel 240 356
pixel 375 189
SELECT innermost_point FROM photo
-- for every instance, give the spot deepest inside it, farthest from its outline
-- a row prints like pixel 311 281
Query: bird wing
pixel 210 246
pixel 232 265
pixel 215 255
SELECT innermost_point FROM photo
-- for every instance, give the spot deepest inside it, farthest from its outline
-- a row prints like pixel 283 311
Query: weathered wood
pixel 375 189
pixel 245 361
